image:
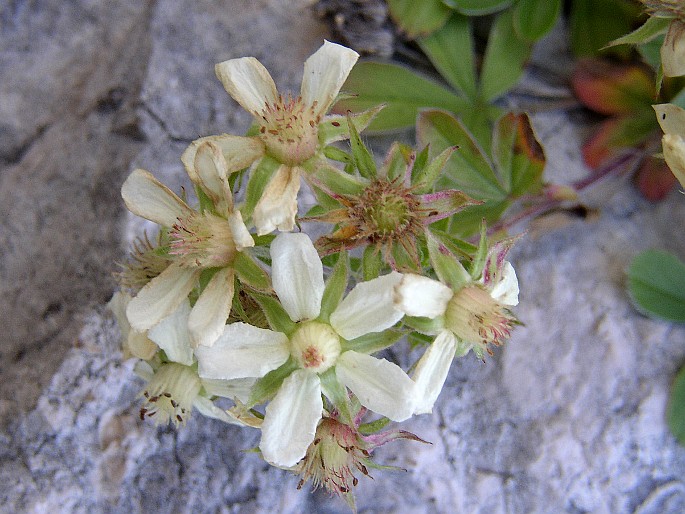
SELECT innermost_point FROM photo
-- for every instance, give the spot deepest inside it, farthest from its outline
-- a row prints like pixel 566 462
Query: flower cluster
pixel 264 332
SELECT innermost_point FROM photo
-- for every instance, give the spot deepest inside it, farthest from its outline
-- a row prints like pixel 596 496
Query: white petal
pixel 380 386
pixel 506 291
pixel 239 388
pixel 242 351
pixel 367 308
pixel 147 197
pixel 138 345
pixel 673 50
pixel 241 236
pixel 674 153
pixel 160 297
pixel 324 74
pixel 117 305
pixel 210 312
pixel 211 173
pixel 239 152
pixel 291 418
pixel 431 371
pixel 171 335
pixel 417 295
pixel 277 207
pixel 297 275
pixel 248 82
pixel 207 408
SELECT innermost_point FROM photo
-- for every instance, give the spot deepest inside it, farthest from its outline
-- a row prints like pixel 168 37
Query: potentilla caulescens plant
pixel 278 334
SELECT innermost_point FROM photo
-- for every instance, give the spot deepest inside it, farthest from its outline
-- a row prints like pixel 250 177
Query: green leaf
pixel 656 283
pixel 250 273
pixel 675 413
pixel 267 386
pixel 468 169
pixel 335 287
pixel 374 342
pixel 451 51
pixel 650 29
pixel 595 23
pixel 404 92
pixel 478 7
pixel 518 155
pixel 418 18
pixel 466 223
pixel 275 314
pixel 535 18
pixel 504 58
pixel 257 182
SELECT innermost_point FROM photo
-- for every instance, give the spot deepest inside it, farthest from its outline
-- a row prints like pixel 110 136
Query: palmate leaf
pixel 535 18
pixel 478 7
pixel 656 283
pixel 675 414
pixel 594 24
pixel 403 91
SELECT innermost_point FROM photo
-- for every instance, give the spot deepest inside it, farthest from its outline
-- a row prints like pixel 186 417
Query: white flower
pixel 291 130
pixel 173 386
pixel 315 346
pixel 134 343
pixel 199 240
pixel 471 317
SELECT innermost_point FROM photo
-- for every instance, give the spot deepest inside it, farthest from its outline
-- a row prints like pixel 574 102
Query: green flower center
pixel 315 346
pixel 289 130
pixel 387 209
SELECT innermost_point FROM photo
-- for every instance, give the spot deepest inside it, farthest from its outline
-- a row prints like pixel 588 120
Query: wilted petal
pixel 324 74
pixel 367 308
pixel 207 408
pixel 147 197
pixel 380 386
pixel 241 236
pixel 171 335
pixel 674 153
pixel 210 172
pixel 431 371
pixel 239 152
pixel 297 275
pixel 277 207
pixel 210 312
pixel 160 297
pixel 248 82
pixel 671 118
pixel 242 351
pixel 238 388
pixel 291 418
pixel 673 50
pixel 506 291
pixel 417 295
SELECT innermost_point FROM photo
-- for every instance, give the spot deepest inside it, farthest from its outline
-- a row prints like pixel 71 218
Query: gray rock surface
pixel 568 417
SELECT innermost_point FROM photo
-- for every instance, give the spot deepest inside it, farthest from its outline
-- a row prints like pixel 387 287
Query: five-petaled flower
pixel 319 354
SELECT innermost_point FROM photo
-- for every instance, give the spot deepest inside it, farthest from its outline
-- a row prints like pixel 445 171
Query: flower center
pixel 289 130
pixel 315 346
pixel 170 393
pixel 385 210
pixel 202 240
pixel 474 316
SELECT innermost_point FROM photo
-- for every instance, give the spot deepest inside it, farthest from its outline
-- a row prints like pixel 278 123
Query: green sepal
pixel 362 158
pixel 373 342
pixel 337 181
pixel 335 287
pixel 336 154
pixel 481 256
pixel 395 164
pixel 336 392
pixel 336 127
pixel 425 326
pixel 373 426
pixel 205 203
pixel 250 273
pixel 447 267
pixel 416 339
pixel 275 314
pixel 371 262
pixel 267 386
pixel 424 179
pixel 459 247
pixel 259 178
pixel 646 32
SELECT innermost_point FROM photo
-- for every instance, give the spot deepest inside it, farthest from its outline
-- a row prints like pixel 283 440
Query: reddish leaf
pixel 654 179
pixel 609 88
pixel 599 149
